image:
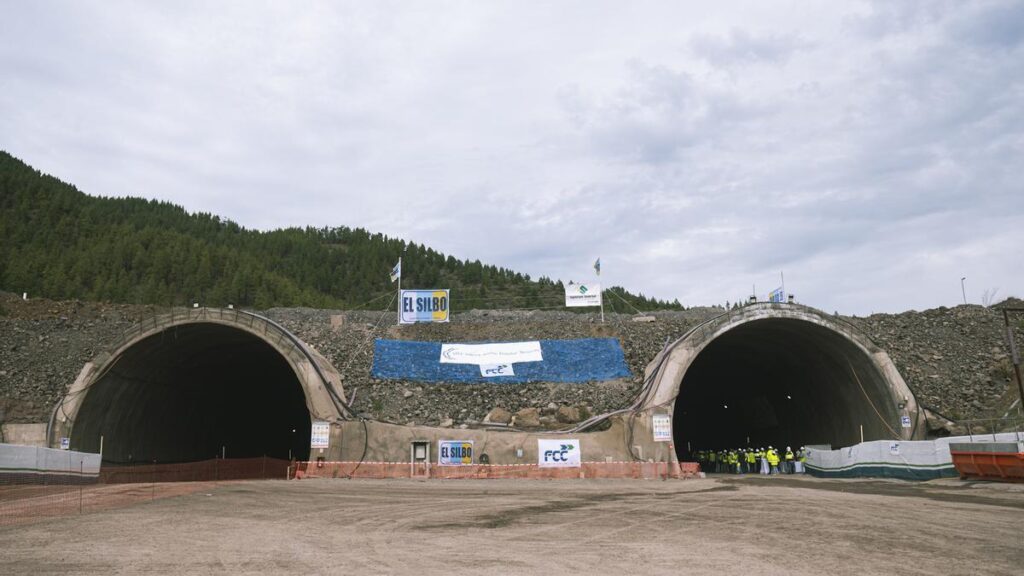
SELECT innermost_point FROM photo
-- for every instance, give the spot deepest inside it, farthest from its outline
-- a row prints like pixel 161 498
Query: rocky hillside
pixel 955 359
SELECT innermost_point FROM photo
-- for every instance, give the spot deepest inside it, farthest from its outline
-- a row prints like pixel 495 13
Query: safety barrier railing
pixel 982 427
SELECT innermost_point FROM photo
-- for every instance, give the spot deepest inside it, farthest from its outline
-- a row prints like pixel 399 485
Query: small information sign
pixel 905 421
pixel 662 424
pixel 320 434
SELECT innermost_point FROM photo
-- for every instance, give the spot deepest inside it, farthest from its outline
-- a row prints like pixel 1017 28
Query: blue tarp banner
pixel 583 360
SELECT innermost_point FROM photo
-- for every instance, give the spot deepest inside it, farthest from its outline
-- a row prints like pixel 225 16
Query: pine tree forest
pixel 59 243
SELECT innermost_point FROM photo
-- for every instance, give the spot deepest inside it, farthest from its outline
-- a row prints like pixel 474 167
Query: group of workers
pixel 750 461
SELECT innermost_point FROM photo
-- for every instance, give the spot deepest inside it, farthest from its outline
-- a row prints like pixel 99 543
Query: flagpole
pixel 399 290
pixel 783 277
pixel 597 269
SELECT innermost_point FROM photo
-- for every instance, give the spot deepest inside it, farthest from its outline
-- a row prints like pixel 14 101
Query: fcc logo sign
pixel 558 453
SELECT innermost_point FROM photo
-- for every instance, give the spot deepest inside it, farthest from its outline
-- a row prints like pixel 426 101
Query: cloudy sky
pixel 874 153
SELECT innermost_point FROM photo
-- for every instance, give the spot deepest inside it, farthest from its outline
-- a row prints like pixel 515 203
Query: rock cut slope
pixel 955 359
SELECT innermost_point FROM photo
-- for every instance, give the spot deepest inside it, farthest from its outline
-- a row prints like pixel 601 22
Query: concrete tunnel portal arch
pixel 781 375
pixel 194 386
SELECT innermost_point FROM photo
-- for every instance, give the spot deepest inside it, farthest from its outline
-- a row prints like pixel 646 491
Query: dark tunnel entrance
pixel 781 382
pixel 195 392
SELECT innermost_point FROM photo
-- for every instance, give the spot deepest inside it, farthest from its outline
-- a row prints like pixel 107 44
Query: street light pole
pixel 962 290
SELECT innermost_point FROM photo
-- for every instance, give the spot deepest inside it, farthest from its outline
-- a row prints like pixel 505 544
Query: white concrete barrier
pixel 27 463
pixel 907 460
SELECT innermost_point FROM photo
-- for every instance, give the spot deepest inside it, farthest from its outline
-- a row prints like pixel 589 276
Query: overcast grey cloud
pixel 871 151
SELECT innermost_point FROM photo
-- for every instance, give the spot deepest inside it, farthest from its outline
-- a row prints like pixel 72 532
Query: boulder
pixel 527 418
pixel 568 414
pixel 498 415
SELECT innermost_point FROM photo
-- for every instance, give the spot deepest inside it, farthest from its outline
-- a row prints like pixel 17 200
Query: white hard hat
pixel 769 446
pixel 788 448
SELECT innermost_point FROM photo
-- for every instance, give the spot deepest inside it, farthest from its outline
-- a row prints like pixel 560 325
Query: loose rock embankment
pixel 955 359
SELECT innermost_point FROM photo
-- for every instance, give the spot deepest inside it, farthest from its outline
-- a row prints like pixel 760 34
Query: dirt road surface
pixel 792 525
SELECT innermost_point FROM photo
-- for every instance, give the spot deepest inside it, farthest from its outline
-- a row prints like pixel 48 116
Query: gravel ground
pixel 713 526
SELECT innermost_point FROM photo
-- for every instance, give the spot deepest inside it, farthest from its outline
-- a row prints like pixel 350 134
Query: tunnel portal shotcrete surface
pixel 782 382
pixel 186 392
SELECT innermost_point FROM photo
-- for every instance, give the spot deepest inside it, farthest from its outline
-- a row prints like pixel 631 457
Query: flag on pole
pixel 597 266
pixel 776 295
pixel 396 272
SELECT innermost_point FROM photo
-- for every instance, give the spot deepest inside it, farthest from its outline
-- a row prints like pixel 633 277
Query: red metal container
pixel 989 460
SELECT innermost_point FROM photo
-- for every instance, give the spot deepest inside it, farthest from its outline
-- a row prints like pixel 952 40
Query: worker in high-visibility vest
pixel 762 457
pixel 711 461
pixel 789 460
pixel 773 460
pixel 751 460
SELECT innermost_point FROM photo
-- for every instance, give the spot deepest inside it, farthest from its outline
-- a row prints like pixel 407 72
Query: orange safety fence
pixel 383 470
pixel 27 497
pixel 213 470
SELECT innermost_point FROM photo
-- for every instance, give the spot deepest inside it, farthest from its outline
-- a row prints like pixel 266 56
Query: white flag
pixel 396 272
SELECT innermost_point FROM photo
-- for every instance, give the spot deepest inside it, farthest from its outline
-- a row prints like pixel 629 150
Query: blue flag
pixel 597 266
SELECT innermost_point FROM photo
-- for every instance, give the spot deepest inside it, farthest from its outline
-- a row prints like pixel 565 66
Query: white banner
pixel 491 354
pixel 558 453
pixel 582 295
pixel 492 370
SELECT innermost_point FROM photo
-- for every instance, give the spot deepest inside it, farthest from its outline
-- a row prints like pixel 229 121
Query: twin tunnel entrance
pixel 209 384
pixel 195 392
pixel 785 382
pixel 195 389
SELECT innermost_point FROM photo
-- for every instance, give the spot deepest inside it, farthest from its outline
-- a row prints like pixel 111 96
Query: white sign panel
pixel 423 306
pixel 582 295
pixel 491 354
pixel 558 453
pixel 454 452
pixel 65 443
pixel 894 448
pixel 492 370
pixel 905 421
pixel 662 424
pixel 320 434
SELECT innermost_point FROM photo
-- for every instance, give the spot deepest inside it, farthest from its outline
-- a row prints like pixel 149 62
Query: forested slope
pixel 60 243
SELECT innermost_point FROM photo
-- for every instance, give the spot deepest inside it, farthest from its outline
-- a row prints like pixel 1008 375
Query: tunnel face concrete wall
pixel 196 385
pixel 781 374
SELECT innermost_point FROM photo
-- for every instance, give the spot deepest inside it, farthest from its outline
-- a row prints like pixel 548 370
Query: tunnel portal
pixel 782 375
pixel 193 392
